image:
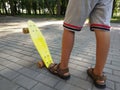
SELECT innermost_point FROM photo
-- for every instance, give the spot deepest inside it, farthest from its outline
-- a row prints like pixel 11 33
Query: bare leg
pixel 67 45
pixel 102 48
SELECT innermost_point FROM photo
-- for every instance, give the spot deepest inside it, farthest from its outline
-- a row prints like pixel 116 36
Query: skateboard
pixel 40 44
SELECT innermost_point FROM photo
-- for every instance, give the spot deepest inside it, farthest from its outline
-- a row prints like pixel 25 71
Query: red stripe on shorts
pixel 72 26
pixel 100 25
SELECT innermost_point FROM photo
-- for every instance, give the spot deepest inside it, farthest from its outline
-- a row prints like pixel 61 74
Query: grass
pixel 115 20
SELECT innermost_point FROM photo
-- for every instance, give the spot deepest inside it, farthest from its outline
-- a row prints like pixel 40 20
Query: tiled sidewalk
pixel 18 57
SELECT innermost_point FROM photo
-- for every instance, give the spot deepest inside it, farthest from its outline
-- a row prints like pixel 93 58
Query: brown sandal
pixel 54 69
pixel 99 81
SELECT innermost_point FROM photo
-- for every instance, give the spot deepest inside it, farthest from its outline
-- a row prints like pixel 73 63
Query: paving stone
pixel 1 77
pixel 25 63
pixel 116 72
pixel 80 63
pixel 89 61
pixel 29 73
pixel 110 84
pixel 12 53
pixel 107 70
pixel 36 56
pixel 78 73
pixel 76 58
pixel 66 86
pixel 94 88
pixel 25 82
pixel 115 58
pixel 2 67
pixel 1 45
pixel 47 79
pixel 21 88
pixel 36 68
pixel 117 86
pixel 80 83
pixel 26 53
pixel 14 66
pixel 2 49
pixel 78 67
pixel 28 58
pixel 5 62
pixel 41 86
pixel 16 50
pixel 13 58
pixel 8 73
pixel 112 67
pixel 9 52
pixel 113 78
pixel 7 85
pixel 4 55
pixel 26 49
pixel 116 63
pixel 52 75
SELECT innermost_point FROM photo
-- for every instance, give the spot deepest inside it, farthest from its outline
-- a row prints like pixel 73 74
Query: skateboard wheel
pixel 25 30
pixel 41 64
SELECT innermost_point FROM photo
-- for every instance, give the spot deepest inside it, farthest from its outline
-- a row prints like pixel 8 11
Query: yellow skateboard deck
pixel 40 43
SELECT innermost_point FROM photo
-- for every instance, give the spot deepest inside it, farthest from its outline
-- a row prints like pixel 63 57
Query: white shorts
pixel 98 12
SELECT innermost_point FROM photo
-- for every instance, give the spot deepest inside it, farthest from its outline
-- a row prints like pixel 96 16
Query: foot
pixel 99 81
pixel 62 73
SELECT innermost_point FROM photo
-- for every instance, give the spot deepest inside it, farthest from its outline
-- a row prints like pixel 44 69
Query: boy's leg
pixel 62 69
pixel 67 45
pixel 102 48
pixel 100 23
pixel 76 14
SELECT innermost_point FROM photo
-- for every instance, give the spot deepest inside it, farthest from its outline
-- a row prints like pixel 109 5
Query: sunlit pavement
pixel 18 57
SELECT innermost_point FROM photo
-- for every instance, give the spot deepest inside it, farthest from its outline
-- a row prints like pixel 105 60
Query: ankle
pixel 97 72
pixel 63 66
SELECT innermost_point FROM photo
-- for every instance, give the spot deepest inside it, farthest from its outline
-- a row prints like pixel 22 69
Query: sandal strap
pixel 96 77
pixel 101 78
pixel 63 71
pixel 55 68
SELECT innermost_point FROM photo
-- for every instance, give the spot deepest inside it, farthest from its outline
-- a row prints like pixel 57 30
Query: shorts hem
pixel 72 27
pixel 99 27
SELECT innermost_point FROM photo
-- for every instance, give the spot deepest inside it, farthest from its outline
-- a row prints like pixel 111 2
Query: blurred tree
pixel 4 6
pixel 52 7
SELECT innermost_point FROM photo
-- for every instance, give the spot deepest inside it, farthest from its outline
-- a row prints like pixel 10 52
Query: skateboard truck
pixel 25 30
pixel 41 64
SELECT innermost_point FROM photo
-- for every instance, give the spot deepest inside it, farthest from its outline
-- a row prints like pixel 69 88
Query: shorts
pixel 98 12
